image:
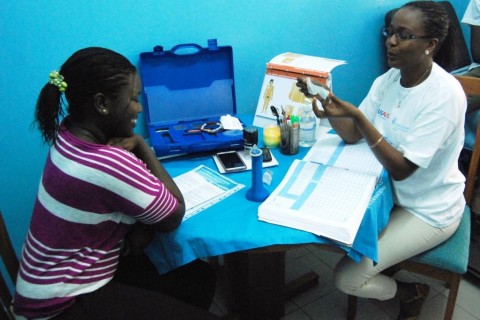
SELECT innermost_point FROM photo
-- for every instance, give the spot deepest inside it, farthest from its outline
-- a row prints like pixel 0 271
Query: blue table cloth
pixel 232 224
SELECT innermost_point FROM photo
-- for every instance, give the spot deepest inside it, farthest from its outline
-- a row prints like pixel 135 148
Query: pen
pixel 284 115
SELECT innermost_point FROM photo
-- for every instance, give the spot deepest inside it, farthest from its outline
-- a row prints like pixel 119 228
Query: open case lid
pixel 187 83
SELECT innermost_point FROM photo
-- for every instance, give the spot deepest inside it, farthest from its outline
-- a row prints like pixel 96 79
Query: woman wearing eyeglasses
pixel 412 118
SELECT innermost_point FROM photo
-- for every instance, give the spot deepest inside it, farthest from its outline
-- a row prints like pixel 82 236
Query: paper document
pixel 279 87
pixel 330 149
pixel 202 187
pixel 328 192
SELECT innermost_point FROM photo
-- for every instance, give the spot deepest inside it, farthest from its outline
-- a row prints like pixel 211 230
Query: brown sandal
pixel 410 308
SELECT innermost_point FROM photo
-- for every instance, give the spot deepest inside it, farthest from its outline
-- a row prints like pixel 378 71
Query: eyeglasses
pixel 401 35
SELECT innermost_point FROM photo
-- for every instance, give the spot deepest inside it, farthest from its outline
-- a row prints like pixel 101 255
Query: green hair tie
pixel 57 79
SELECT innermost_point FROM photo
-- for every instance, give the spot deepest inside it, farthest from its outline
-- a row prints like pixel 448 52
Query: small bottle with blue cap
pixel 257 192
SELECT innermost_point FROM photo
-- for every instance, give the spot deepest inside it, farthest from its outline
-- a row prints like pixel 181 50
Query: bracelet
pixel 205 126
pixel 376 143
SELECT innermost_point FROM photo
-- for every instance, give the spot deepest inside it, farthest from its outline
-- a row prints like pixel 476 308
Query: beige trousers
pixel 405 236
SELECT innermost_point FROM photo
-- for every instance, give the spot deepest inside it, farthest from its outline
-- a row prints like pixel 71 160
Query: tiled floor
pixel 326 302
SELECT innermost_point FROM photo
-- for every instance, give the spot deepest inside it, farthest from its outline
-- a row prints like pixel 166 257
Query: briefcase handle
pixel 187 48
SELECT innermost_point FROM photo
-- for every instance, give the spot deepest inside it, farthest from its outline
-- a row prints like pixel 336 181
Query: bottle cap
pixel 255 151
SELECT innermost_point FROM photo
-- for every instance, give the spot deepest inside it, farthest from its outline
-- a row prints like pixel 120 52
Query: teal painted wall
pixel 38 36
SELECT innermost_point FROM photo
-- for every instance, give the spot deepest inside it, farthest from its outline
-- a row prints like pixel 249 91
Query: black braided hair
pixel 437 25
pixel 87 72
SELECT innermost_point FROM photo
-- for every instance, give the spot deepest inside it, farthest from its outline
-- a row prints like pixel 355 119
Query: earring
pixel 427 52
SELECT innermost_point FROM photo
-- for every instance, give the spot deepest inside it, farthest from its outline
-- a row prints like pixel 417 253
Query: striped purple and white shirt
pixel 89 196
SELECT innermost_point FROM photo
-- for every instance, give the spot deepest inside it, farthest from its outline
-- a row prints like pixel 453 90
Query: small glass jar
pixel 271 136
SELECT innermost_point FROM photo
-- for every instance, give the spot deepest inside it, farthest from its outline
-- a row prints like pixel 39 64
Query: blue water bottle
pixel 257 192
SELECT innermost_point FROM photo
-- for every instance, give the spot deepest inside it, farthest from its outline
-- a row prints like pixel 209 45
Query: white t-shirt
pixel 425 123
pixel 472 17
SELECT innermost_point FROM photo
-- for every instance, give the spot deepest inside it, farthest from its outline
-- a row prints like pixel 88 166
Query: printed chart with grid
pixel 325 200
pixel 329 192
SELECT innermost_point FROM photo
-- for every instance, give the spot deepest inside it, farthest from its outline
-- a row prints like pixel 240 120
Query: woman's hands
pixel 135 144
pixel 302 84
pixel 331 106
pixel 139 147
pixel 341 115
pixel 352 125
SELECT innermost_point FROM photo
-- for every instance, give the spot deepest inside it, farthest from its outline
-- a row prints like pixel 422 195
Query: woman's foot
pixel 410 307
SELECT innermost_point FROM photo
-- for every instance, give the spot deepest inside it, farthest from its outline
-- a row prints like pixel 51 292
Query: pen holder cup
pixel 290 136
pixel 271 136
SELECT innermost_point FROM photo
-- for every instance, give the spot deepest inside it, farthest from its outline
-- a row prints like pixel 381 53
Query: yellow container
pixel 271 136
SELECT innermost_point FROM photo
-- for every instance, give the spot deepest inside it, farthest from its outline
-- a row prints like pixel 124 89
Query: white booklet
pixel 328 192
pixel 202 187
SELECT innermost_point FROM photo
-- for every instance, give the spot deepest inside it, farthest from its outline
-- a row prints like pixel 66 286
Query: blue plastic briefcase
pixel 186 90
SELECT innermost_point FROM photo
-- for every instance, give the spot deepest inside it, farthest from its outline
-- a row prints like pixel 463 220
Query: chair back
pixel 471 86
pixel 10 260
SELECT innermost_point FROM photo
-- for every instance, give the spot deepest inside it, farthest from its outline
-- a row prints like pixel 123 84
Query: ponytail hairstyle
pixel 437 25
pixel 87 72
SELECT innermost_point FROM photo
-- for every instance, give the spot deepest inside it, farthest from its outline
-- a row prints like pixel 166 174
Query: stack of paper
pixel 202 187
pixel 328 192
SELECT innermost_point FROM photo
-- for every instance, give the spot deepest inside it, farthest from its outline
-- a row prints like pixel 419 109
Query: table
pixel 231 228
